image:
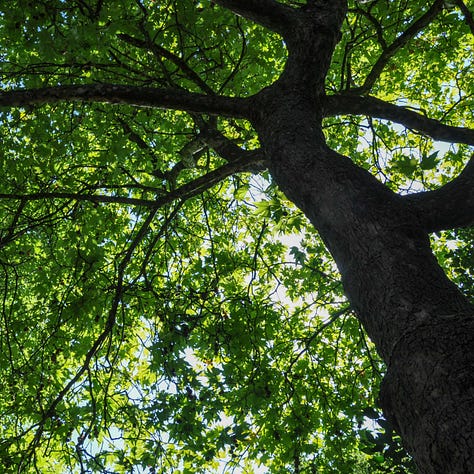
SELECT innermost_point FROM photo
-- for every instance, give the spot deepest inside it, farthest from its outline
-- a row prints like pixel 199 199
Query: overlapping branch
pixel 254 159
pixel 97 198
pixel 161 52
pixel 343 104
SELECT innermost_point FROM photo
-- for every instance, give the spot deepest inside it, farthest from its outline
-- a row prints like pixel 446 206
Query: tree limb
pixel 342 104
pixel 129 95
pixel 231 152
pixel 268 13
pixel 467 14
pixel 247 161
pixel 399 42
pixel 448 207
pixel 97 198
pixel 201 184
pixel 378 27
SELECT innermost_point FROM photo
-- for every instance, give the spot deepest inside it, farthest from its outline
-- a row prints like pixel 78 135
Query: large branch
pixel 269 13
pixel 129 95
pixel 448 207
pixel 343 104
pixel 398 43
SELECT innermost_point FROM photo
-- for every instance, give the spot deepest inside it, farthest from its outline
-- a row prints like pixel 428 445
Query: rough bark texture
pixel 421 324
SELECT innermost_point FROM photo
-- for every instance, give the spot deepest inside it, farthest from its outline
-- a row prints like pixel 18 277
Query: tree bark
pixel 419 321
pixel 448 207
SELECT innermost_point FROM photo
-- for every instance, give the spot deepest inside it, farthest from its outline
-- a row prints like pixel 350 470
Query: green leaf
pixel 430 162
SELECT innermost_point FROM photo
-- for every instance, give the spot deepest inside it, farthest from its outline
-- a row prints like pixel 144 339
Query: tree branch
pixel 467 14
pixel 448 207
pixel 342 104
pixel 201 184
pixel 399 42
pixel 231 152
pixel 247 161
pixel 102 337
pixel 129 95
pixel 269 13
pixel 161 52
pixel 97 198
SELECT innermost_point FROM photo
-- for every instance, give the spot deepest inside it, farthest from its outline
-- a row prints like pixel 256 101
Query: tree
pixel 154 316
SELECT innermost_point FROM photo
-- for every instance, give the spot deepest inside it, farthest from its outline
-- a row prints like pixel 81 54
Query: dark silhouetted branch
pixel 347 104
pixel 128 95
pixel 449 207
pixel 468 17
pixel 160 52
pixel 399 42
pixel 268 13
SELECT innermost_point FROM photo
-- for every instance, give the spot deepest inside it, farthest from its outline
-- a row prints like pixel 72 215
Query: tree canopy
pixel 165 307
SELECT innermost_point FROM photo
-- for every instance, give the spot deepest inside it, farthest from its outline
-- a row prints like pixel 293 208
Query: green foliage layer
pixel 210 333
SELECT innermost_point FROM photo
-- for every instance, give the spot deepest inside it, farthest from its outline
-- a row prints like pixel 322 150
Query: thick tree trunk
pixel 421 324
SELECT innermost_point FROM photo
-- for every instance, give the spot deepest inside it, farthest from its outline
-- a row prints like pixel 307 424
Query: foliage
pixel 209 333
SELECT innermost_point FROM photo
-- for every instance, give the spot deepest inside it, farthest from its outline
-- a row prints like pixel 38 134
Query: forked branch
pixel 160 53
pixel 398 43
pixel 246 162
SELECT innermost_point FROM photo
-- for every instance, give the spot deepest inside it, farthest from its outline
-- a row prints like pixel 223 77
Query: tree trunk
pixel 419 321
